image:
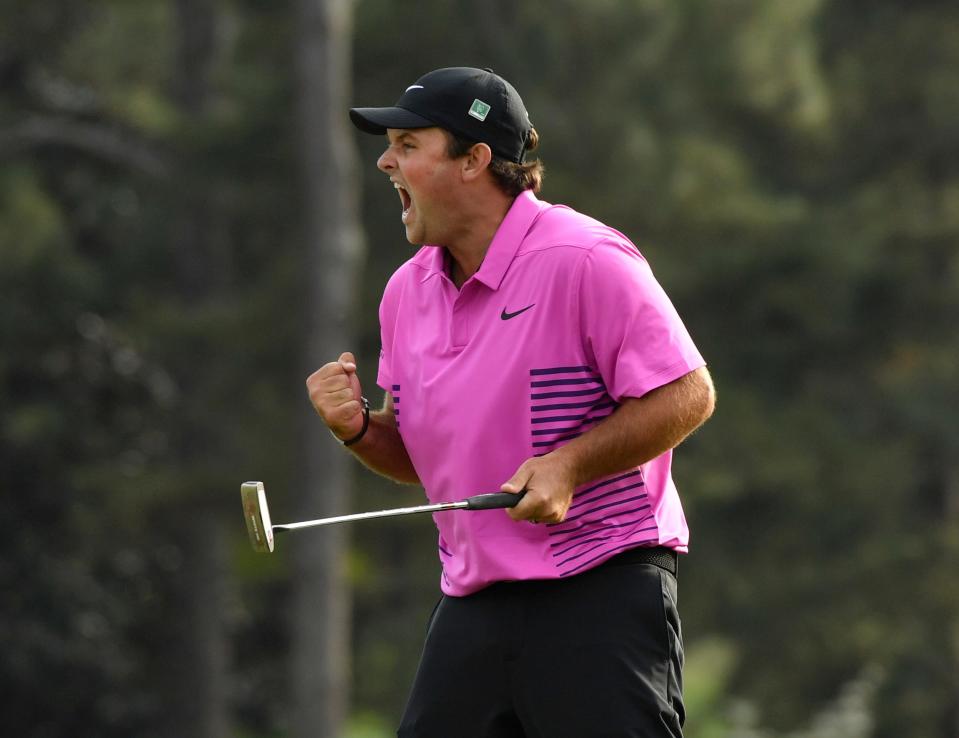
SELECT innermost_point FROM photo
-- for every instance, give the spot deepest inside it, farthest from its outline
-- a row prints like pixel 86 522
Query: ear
pixel 476 161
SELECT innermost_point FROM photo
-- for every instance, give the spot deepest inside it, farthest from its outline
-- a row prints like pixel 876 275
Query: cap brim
pixel 377 120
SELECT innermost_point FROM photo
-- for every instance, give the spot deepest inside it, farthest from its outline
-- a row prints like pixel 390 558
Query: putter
pixel 258 525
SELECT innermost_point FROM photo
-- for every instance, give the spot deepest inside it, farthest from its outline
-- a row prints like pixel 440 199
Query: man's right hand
pixel 335 393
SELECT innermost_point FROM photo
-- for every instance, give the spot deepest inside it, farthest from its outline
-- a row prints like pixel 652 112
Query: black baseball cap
pixel 475 104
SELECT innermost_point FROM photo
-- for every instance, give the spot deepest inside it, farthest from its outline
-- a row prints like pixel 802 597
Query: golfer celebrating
pixel 526 347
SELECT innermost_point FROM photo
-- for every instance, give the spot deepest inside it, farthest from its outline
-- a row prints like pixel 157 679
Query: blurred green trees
pixel 791 171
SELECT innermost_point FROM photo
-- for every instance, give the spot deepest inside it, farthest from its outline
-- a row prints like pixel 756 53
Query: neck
pixel 468 250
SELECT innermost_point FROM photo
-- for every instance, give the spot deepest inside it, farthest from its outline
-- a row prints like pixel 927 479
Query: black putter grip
pixel 493 501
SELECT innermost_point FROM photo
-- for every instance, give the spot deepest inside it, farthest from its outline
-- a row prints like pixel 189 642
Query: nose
pixel 387 161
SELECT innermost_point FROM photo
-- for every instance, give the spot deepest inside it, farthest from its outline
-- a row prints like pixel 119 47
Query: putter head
pixel 257 516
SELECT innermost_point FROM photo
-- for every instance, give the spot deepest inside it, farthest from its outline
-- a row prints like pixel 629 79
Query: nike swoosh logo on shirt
pixel 506 316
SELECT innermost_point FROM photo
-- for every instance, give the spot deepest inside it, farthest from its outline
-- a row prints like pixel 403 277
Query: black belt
pixel 664 558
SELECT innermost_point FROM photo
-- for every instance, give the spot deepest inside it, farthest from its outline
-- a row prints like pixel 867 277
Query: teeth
pixel 404 198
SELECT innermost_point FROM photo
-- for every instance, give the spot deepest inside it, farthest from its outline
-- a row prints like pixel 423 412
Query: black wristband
pixel 366 424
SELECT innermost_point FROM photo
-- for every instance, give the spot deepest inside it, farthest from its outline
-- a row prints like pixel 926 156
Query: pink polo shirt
pixel 562 321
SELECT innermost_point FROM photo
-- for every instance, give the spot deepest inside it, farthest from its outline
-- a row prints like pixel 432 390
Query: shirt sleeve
pixel 631 332
pixel 388 314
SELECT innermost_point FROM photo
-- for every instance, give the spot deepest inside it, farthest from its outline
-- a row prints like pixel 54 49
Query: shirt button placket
pixel 460 322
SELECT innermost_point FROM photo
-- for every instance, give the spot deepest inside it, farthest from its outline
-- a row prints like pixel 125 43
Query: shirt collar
pixel 502 249
pixel 510 234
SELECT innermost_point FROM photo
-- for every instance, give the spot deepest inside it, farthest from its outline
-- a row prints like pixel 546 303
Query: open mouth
pixel 405 199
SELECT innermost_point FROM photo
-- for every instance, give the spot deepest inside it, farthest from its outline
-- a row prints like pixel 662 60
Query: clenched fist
pixel 335 393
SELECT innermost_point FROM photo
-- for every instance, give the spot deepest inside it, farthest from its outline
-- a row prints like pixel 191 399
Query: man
pixel 528 348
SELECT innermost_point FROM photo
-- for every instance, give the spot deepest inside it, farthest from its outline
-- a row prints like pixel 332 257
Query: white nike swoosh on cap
pixel 414 87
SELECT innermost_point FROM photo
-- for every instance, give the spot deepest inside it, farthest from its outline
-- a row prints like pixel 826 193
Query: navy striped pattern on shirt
pixel 396 403
pixel 565 402
pixel 445 555
pixel 606 517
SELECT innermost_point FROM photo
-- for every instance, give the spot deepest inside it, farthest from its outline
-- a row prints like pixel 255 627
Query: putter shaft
pixel 460 505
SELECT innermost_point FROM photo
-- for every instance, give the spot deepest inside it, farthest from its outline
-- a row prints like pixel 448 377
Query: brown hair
pixel 511 177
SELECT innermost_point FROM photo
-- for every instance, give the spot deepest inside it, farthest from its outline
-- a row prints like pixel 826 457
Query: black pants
pixel 598 654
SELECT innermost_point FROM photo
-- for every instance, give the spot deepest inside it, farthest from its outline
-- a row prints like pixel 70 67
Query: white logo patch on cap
pixel 479 110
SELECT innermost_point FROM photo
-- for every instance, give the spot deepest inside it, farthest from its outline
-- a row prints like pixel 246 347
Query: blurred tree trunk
pixel 334 250
pixel 200 705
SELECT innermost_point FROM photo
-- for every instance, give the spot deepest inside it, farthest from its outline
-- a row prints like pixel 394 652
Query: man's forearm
pixel 382 450
pixel 641 429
